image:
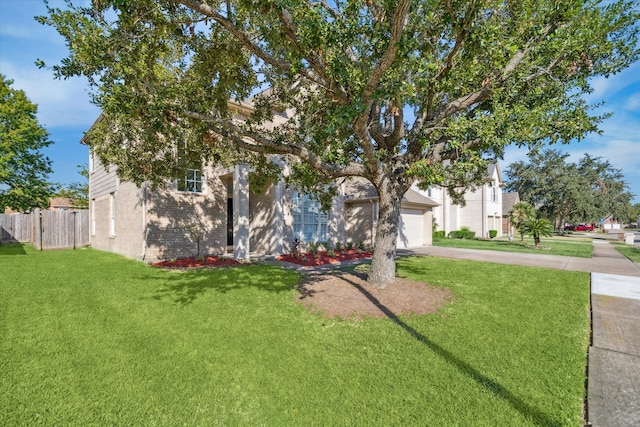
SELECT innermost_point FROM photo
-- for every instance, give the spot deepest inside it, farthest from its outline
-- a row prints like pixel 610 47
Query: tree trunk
pixel 536 240
pixel 383 262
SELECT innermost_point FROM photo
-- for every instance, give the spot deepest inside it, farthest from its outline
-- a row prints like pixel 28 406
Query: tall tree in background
pixel 576 192
pixel 23 168
pixel 392 91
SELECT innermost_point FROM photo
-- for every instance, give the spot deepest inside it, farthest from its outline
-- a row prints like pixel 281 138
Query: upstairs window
pixel 494 192
pixel 192 181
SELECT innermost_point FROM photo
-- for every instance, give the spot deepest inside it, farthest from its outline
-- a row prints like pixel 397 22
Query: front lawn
pixel 567 246
pixel 91 338
pixel 629 251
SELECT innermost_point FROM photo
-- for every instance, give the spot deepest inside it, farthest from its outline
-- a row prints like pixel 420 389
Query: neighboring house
pixel 482 210
pixel 214 211
pixel 59 204
pixel 508 201
pixel 610 223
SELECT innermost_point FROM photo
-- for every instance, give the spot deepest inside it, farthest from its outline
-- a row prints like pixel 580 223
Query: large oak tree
pixel 392 91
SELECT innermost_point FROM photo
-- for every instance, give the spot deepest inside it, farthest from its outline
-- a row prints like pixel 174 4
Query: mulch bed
pixel 321 257
pixel 349 296
pixel 193 262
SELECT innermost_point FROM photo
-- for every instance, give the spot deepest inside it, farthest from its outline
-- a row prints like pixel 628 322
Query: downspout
pixel 144 221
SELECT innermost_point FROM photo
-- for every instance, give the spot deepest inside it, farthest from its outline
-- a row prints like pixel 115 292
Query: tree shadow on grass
pixel 12 249
pixel 184 287
pixel 528 411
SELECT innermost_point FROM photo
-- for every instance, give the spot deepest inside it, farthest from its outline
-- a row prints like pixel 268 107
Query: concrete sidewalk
pixel 614 354
pixel 606 259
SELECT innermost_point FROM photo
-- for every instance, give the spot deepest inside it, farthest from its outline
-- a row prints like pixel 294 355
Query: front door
pixel 229 222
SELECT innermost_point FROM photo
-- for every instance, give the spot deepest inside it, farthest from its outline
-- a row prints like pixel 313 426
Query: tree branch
pixel 258 143
pixel 388 57
pixel 206 9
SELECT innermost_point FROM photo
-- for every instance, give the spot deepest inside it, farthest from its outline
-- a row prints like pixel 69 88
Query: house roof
pixel 359 189
pixel 508 200
pixel 415 198
pixel 56 202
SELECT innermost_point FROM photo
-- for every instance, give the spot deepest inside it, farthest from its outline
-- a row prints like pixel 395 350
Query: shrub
pixel 493 233
pixel 339 246
pixel 462 234
pixel 349 246
pixel 361 246
pixel 331 253
pixel 439 234
pixel 312 247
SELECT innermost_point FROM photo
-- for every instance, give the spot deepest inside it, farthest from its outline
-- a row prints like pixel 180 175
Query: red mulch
pixel 193 262
pixel 321 257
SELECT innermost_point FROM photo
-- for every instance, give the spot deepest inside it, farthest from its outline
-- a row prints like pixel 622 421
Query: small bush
pixel 312 247
pixel 462 234
pixel 339 246
pixel 361 246
pixel 349 246
pixel 439 234
pixel 331 253
pixel 493 233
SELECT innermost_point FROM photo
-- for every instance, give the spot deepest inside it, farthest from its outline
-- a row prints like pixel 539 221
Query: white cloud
pixel 61 103
pixel 633 102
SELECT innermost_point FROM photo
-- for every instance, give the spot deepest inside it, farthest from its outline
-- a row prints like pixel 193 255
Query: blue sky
pixel 65 111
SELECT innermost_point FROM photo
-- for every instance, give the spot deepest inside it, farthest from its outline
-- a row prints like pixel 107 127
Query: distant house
pixel 610 223
pixel 482 210
pixel 508 201
pixel 59 204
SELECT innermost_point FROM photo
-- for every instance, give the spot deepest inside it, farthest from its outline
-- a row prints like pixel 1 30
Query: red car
pixel 584 227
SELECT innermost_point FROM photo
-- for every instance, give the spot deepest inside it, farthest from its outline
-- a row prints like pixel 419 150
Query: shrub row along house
pixel 213 210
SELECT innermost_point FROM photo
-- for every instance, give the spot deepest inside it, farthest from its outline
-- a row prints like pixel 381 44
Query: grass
pixel 91 338
pixel 629 251
pixel 575 247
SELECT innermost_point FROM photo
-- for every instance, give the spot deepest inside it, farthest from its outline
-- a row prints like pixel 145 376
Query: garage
pixel 411 228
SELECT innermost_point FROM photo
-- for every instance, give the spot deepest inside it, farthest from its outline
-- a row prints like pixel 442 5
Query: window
pixel 309 222
pixel 494 192
pixel 192 181
pixel 112 215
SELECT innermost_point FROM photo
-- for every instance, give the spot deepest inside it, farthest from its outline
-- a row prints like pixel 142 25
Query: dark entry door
pixel 229 222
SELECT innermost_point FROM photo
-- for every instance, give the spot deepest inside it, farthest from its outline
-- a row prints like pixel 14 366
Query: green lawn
pixel 91 338
pixel 567 246
pixel 629 251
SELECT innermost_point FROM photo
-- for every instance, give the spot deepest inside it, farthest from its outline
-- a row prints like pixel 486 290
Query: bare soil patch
pixel 348 295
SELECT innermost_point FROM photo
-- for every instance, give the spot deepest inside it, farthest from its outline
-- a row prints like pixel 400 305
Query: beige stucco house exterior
pixel 482 210
pixel 220 215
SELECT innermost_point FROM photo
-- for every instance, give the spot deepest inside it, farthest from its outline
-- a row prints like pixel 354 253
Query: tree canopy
pixel 392 91
pixel 23 168
pixel 586 191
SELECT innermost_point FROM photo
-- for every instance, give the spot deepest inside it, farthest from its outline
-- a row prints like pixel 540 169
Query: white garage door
pixel 410 228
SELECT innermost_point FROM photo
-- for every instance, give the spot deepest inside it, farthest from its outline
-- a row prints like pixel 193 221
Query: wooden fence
pixel 47 229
